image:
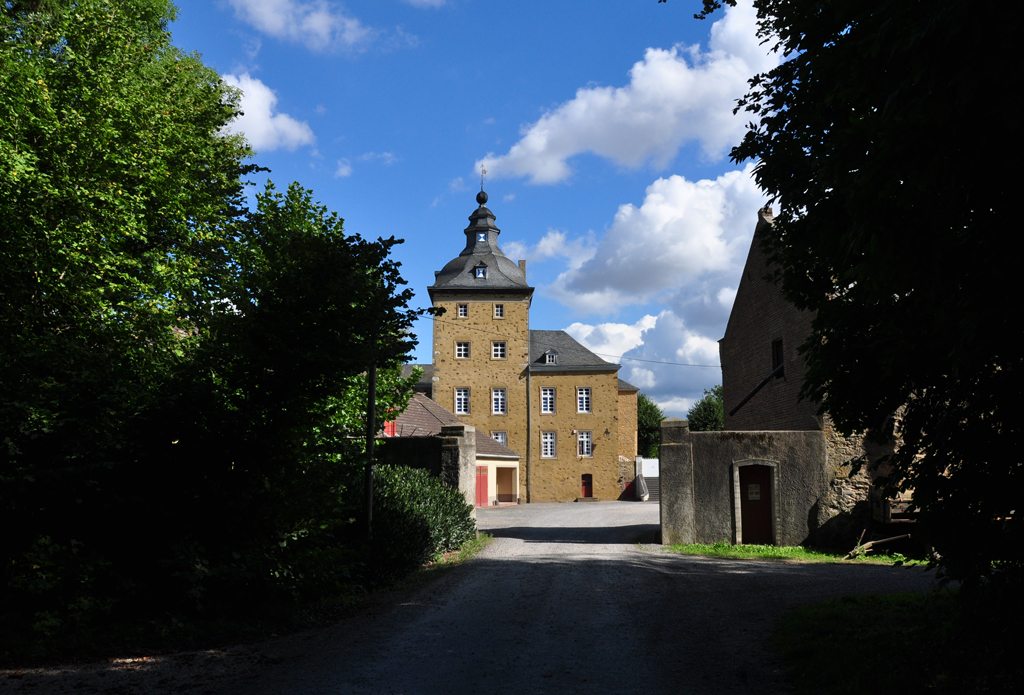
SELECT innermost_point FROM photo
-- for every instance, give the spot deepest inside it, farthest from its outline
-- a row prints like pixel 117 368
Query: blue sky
pixel 604 126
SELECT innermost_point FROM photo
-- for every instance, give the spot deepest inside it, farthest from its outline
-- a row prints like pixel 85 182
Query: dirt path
pixel 562 601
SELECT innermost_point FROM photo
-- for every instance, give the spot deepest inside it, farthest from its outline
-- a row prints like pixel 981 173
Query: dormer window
pixel 550 357
pixel 480 271
pixel 482 236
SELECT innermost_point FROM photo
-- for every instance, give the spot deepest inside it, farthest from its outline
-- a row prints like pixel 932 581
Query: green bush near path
pixel 937 642
pixel 777 552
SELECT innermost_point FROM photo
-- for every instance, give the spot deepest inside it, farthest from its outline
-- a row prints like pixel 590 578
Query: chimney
pixel 522 267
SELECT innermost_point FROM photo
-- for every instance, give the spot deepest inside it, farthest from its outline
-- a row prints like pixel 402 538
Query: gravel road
pixel 563 600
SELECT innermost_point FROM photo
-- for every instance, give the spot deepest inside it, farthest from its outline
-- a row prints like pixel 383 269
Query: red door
pixel 481 486
pixel 588 485
pixel 756 504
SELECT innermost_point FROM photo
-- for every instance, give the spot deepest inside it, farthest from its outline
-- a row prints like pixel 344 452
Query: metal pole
pixel 371 436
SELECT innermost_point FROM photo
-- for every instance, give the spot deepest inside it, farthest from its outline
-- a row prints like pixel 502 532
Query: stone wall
pixel 627 418
pixel 481 372
pixel 820 484
pixel 557 479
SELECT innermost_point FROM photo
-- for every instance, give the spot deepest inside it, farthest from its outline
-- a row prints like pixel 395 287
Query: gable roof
pixel 425 418
pixel 626 386
pixel 572 356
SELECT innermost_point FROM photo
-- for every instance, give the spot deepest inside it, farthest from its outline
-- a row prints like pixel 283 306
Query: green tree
pixel 883 137
pixel 648 426
pixel 176 373
pixel 708 413
pixel 117 191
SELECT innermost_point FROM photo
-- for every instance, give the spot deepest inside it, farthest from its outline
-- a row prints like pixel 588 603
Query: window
pixel 499 311
pixel 481 236
pixel 585 441
pixel 551 358
pixel 777 358
pixel 462 351
pixel 463 311
pixel 498 350
pixel 481 271
pixel 583 400
pixel 547 400
pixel 500 437
pixel 547 445
pixel 499 405
pixel 462 401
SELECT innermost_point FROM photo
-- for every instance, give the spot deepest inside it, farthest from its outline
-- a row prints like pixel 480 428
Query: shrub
pixel 416 518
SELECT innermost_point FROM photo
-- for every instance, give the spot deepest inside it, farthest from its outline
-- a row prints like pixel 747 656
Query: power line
pixel 677 364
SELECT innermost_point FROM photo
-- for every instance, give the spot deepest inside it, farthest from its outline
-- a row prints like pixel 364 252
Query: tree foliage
pixel 883 138
pixel 708 413
pixel 648 426
pixel 179 377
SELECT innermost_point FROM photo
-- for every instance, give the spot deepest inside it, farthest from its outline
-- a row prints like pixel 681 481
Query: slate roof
pixel 572 356
pixel 425 418
pixel 626 386
pixel 502 272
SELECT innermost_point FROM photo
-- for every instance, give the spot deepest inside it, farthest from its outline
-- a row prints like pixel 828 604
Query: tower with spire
pixel 541 393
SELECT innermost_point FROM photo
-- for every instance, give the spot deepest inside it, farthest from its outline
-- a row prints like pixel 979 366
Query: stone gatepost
pixel 676 464
pixel 458 460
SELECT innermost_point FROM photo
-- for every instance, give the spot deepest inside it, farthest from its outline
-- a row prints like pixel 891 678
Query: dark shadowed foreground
pixel 563 600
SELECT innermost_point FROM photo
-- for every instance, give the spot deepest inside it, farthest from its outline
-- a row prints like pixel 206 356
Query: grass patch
pixel 906 643
pixel 785 552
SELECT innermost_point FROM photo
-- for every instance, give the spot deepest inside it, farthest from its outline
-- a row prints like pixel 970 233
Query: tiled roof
pixel 425 417
pixel 570 354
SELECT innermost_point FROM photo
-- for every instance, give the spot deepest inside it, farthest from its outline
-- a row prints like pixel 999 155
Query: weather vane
pixel 483 172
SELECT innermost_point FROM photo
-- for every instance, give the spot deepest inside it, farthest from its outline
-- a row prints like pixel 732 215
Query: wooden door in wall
pixel 587 485
pixel 481 486
pixel 756 504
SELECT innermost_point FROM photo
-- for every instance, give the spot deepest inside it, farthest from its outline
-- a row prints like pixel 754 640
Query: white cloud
pixel 674 97
pixel 670 374
pixel 611 339
pixel 317 24
pixel 726 296
pixel 509 198
pixel 388 158
pixel 344 169
pixel 555 244
pixel 263 128
pixel 682 233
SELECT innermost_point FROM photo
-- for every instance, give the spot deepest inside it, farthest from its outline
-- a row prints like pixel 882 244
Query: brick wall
pixel 760 316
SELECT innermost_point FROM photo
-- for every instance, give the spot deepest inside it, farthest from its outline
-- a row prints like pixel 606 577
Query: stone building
pixel 540 393
pixel 779 472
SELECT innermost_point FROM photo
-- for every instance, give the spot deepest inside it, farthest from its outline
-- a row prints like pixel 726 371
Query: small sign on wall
pixel 753 491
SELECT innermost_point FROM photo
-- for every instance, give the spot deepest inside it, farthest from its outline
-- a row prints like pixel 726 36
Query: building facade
pixel 540 393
